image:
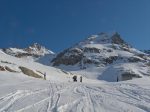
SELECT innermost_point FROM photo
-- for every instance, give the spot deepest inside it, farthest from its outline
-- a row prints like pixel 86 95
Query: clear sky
pixel 57 24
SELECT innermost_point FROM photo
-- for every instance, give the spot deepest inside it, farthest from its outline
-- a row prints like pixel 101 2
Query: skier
pixel 74 78
pixel 117 79
pixel 80 78
pixel 45 76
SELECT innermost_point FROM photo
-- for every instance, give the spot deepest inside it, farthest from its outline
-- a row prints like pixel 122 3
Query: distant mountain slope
pixel 104 56
pixel 35 52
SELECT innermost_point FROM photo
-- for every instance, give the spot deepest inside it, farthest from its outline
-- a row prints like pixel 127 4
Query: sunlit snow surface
pixel 20 93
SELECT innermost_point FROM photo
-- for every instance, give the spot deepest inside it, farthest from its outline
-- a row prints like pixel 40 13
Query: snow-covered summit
pixel 104 38
pixel 98 47
pixel 35 50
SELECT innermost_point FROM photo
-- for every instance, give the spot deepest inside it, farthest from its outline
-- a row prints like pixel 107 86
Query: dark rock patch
pixel 29 72
pixel 2 68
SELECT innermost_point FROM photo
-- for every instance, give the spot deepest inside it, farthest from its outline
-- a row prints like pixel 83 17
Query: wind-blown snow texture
pixel 99 91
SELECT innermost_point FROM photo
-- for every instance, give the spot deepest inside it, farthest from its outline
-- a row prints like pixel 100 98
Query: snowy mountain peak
pixel 104 38
pixel 116 39
pixel 38 50
pixel 35 50
pixel 36 45
pixel 99 36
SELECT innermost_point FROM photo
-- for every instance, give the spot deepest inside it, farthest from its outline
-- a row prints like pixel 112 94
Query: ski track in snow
pixel 78 97
pixel 13 97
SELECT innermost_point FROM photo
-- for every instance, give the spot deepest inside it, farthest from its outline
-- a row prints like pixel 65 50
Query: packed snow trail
pixel 34 95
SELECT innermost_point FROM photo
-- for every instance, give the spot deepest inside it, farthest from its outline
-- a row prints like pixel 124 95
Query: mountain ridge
pixel 35 50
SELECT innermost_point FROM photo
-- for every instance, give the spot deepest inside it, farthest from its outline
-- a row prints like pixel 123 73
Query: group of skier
pixel 74 78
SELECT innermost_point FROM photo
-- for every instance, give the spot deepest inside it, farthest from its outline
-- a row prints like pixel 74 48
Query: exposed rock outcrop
pixel 9 69
pixel 68 57
pixel 29 72
pixel 2 68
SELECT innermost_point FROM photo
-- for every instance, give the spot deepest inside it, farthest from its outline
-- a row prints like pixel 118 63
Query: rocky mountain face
pixel 98 49
pixel 101 52
pixel 147 52
pixel 35 50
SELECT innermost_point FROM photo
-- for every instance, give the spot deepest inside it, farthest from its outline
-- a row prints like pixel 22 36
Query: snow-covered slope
pixel 105 57
pixel 12 64
pixel 24 94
